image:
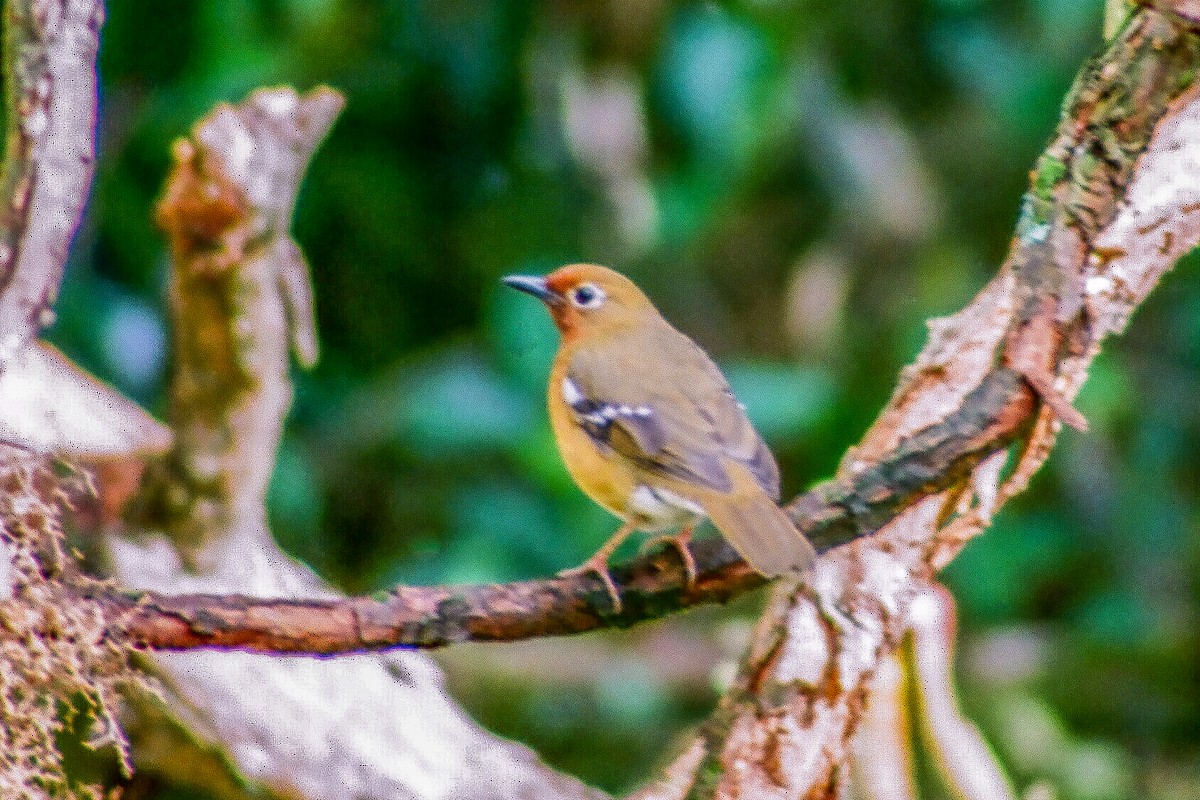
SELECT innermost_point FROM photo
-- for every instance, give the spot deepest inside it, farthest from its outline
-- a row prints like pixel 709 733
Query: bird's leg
pixel 680 542
pixel 598 564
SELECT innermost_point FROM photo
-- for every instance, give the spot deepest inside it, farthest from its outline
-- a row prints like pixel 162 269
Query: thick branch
pixel 1111 207
pixel 49 66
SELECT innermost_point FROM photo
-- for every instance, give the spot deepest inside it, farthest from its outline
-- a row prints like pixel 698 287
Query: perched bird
pixel 649 428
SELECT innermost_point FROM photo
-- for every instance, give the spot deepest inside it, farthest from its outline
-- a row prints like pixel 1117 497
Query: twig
pixel 959 751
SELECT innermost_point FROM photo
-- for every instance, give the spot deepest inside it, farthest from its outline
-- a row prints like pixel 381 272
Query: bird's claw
pixel 680 543
pixel 600 569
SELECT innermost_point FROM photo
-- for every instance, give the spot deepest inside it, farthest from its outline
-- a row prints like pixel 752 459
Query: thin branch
pixel 651 586
pixel 961 755
pixel 49 67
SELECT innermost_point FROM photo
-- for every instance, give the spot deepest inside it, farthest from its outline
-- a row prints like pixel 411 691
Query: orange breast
pixel 604 477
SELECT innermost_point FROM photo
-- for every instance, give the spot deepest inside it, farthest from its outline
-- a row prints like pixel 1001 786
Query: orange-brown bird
pixel 649 428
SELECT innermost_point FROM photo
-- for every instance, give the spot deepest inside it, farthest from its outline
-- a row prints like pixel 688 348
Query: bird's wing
pixel 670 412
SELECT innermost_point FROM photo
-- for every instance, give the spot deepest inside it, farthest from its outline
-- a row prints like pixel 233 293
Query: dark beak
pixel 534 285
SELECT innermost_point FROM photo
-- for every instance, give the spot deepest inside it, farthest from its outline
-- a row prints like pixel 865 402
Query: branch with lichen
pixel 50 78
pixel 54 652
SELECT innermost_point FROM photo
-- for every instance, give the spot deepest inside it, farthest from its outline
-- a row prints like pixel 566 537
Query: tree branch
pixel 651 586
pixel 49 659
pixel 959 752
pixel 49 49
pixel 50 58
pixel 1112 205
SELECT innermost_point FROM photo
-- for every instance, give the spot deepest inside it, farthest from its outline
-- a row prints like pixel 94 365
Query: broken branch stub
pixel 240 293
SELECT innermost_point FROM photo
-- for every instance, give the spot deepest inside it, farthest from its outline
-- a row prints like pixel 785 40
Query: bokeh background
pixel 798 185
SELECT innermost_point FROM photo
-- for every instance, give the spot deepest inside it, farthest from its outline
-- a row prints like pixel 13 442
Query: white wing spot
pixel 571 392
pixel 659 508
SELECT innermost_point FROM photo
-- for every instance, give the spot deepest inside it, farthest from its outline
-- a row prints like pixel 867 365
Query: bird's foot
pixel 680 542
pixel 598 565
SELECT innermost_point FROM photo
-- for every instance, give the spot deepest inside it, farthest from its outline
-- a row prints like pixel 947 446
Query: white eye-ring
pixel 588 295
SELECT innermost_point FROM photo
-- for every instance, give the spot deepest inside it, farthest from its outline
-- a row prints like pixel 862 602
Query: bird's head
pixel 586 299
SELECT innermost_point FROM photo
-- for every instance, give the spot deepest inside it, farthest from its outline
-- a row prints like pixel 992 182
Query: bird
pixel 648 427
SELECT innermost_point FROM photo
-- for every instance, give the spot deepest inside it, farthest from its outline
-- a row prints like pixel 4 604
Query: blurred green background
pixel 799 186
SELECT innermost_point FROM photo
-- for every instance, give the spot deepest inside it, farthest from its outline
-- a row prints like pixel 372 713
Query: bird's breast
pixel 615 483
pixel 603 476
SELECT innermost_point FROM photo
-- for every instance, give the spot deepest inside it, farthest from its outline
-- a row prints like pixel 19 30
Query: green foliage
pixel 815 182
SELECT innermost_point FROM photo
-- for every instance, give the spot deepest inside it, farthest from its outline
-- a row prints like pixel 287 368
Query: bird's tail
pixel 760 531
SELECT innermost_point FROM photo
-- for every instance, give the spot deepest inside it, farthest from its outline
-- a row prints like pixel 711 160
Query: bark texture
pixel 54 650
pixel 50 75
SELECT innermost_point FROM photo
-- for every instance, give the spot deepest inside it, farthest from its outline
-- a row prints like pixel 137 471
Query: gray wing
pixel 673 415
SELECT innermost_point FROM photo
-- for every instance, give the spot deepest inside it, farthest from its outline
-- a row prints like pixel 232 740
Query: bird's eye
pixel 587 296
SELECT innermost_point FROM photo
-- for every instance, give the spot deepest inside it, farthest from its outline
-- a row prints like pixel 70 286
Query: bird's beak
pixel 534 285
